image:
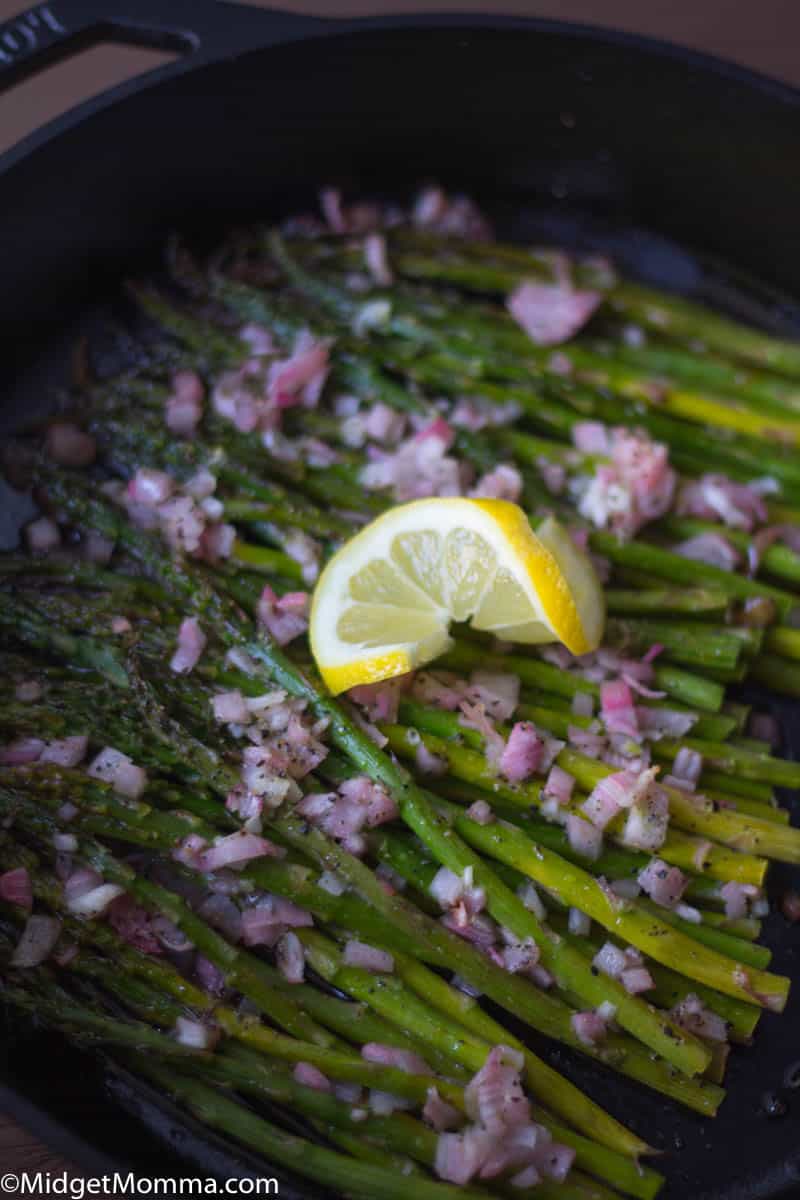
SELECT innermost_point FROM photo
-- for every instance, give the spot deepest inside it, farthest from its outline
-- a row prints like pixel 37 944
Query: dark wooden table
pixel 762 34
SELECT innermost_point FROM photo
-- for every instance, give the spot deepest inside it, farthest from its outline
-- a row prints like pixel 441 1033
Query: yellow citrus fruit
pixel 384 603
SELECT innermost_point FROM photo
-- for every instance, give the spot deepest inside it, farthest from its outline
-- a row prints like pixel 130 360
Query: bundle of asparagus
pixel 287 897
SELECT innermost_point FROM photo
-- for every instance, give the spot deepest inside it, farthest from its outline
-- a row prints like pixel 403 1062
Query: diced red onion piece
pixel 688 765
pixel 429 763
pixel 517 956
pixel 65 843
pixel 393 1056
pixel 636 980
pixel 37 941
pixel 260 926
pixel 522 754
pixel 481 812
pixel 556 1161
pixel 584 837
pixel 22 751
pixel 502 483
pixel 610 960
pixel 311 1076
pixel 291 914
pixel 66 752
pixel 379 805
pixel 636 686
pixel 94 903
pixel 554 476
pixel 450 215
pixel 384 424
pixel 383 1104
pixel 710 548
pixel 300 378
pixel 589 1027
pixel 369 958
pixel 217 541
pixel 439 1114
pixel 377 259
pixel 235 849
pixel 459 1155
pixel 446 887
pixel 736 897
pixel 191 644
pixel 348 1093
pixel 530 898
pixel 240 660
pixel 184 405
pixel 330 882
pixel 498 691
pixel 149 487
pixel 114 767
pixel 579 923
pixel 380 700
pixel 664 884
pixel 231 708
pixel 656 723
pixel 79 881
pixel 715 497
pixel 330 201
pixel 188 385
pixel 691 1014
pixel 559 785
pixel 608 798
pixel 290 957
pixel 284 617
pixel 195 1034
pixel 43 535
pixel 201 485
pixel 591 437
pixel 16 888
pixel 551 313
pixel 648 819
pixel 637 486
pixel 494 1096
pixel 617 708
pixel 593 745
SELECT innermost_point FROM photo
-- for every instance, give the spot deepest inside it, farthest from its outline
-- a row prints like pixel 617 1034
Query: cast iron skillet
pixel 574 135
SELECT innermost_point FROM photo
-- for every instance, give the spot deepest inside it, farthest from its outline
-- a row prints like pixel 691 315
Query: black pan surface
pixel 564 135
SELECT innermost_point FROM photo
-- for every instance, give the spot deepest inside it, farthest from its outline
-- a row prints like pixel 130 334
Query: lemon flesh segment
pixel 384 603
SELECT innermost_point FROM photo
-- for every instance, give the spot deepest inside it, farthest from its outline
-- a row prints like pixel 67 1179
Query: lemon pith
pixel 384 603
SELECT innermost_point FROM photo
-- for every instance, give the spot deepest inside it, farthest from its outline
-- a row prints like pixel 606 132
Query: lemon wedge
pixel 384 603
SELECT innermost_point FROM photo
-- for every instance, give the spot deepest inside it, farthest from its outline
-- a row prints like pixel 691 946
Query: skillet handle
pixel 199 30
